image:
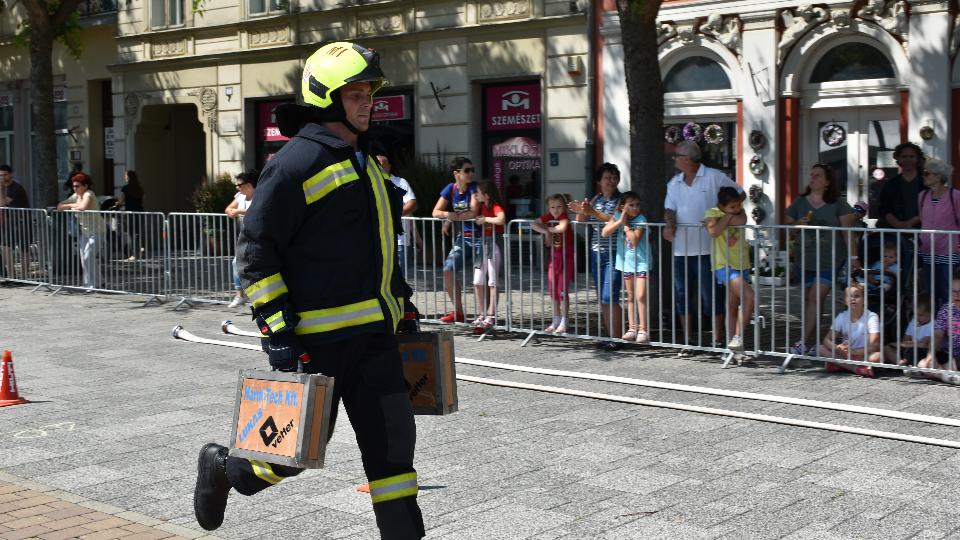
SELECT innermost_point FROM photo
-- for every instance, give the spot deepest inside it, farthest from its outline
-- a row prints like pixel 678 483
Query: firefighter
pixel 317 260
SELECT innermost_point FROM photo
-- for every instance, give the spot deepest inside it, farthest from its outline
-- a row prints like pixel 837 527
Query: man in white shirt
pixel 405 240
pixel 689 194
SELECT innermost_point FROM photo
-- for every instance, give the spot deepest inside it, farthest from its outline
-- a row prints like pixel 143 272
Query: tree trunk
pixel 47 22
pixel 638 28
pixel 41 114
pixel 648 177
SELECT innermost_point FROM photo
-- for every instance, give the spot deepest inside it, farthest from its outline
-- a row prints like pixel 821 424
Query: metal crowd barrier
pixel 200 263
pixel 190 257
pixel 23 245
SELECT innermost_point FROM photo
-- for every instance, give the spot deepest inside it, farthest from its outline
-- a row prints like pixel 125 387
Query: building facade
pixel 503 82
pixel 772 88
pixel 83 98
pixel 490 80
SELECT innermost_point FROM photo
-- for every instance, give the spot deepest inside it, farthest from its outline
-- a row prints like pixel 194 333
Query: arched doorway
pixel 851 117
pixel 170 156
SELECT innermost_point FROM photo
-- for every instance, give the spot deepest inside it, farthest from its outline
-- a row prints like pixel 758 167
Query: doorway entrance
pixel 170 156
pixel 858 144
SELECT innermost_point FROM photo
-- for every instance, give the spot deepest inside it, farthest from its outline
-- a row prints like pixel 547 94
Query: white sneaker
pixel 237 302
pixel 736 343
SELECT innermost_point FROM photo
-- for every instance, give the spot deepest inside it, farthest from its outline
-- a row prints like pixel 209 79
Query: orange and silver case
pixel 282 418
pixel 430 372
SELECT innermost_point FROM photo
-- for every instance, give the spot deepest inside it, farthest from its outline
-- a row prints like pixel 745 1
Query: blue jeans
pixel 461 254
pixel 691 273
pixel 606 277
pixel 402 256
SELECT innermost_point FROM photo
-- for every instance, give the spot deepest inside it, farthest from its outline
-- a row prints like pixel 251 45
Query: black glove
pixel 275 319
pixel 410 324
pixel 284 351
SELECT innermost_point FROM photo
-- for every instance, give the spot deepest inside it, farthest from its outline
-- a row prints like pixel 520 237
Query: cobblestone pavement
pixel 119 411
pixel 31 510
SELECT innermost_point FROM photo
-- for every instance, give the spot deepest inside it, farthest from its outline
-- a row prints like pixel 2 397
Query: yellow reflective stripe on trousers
pixel 388 240
pixel 325 320
pixel 266 289
pixel 276 322
pixel 330 178
pixel 264 471
pixel 394 487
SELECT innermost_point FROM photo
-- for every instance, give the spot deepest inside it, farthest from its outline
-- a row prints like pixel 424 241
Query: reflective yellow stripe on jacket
pixel 394 487
pixel 319 185
pixel 325 320
pixel 266 289
pixel 388 240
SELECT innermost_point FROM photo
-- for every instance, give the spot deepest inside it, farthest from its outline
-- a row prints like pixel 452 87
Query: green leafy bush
pixel 427 177
pixel 213 197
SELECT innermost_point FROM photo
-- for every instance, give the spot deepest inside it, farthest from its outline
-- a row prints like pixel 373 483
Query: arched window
pixel 695 74
pixel 852 62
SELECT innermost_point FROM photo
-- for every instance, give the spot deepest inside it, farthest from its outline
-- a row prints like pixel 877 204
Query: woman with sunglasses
pixel 91 226
pixel 246 183
pixel 458 206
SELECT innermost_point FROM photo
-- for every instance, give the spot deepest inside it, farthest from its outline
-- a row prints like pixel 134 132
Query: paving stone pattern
pixel 119 411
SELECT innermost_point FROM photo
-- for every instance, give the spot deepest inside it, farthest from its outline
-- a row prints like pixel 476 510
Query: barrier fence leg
pixel 727 358
pixel 786 363
pixel 183 300
pixel 153 299
pixel 527 340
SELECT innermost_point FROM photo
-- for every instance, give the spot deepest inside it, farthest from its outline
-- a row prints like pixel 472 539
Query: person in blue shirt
pixel 458 206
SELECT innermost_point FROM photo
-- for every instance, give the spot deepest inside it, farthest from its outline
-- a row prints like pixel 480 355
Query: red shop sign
pixel 390 108
pixel 515 106
pixel 267 121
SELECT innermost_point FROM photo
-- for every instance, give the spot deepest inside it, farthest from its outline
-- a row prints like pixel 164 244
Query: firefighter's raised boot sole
pixel 212 489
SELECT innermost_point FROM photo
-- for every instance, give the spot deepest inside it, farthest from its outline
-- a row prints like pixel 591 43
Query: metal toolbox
pixel 282 418
pixel 430 372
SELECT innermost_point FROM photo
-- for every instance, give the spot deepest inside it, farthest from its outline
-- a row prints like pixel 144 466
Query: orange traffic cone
pixel 9 395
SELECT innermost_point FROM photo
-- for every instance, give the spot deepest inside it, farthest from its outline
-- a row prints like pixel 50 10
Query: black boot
pixel 210 493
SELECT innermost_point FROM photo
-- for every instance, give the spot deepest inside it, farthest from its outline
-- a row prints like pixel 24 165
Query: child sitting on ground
pixel 487 263
pixel 633 255
pixel 916 340
pixel 558 235
pixel 945 343
pixel 854 335
pixel 731 259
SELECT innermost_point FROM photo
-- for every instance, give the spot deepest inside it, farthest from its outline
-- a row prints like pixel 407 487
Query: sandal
pixel 561 329
pixel 550 329
pixel 631 335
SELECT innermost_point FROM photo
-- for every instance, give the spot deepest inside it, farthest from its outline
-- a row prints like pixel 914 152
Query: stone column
pixel 759 90
pixel 929 54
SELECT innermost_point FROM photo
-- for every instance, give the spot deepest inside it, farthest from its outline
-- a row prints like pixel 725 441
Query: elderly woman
pixel 92 226
pixel 823 252
pixel 939 210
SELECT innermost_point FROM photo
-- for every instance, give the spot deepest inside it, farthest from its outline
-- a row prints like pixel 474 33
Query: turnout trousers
pixel 368 377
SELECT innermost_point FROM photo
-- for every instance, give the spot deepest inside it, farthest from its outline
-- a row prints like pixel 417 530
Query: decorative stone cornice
pixel 207 98
pixel 265 37
pixel 380 24
pixel 796 23
pixel 725 29
pixel 491 11
pixel 165 48
pixel 891 15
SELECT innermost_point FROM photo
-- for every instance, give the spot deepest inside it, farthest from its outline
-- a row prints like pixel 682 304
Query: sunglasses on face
pixel 241 184
pixel 466 170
